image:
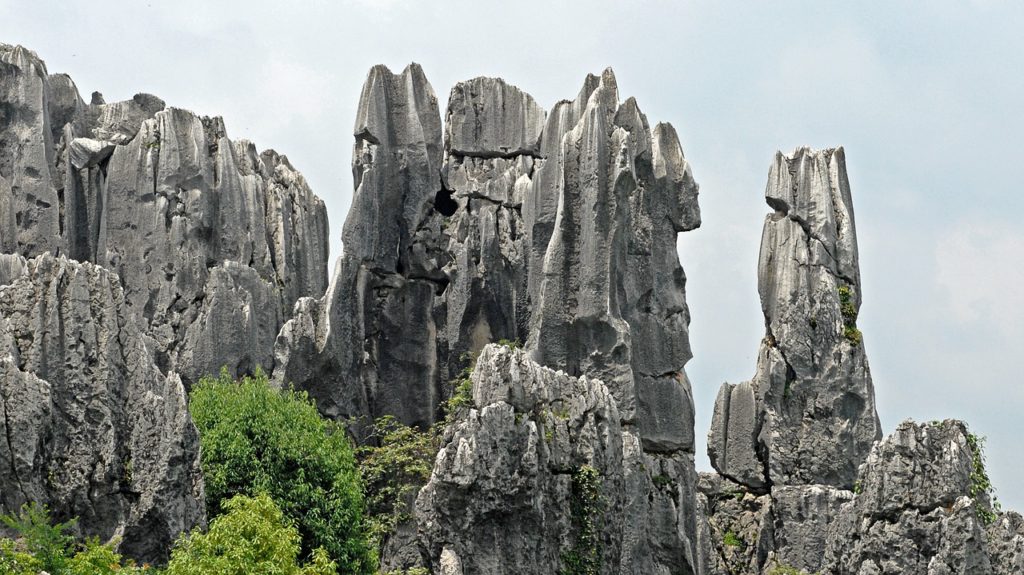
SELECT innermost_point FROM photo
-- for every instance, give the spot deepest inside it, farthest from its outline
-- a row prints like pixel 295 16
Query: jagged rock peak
pixel 396 163
pixel 488 117
pixel 919 510
pixel 369 347
pixel 611 242
pixel 92 428
pixel 160 195
pixel 808 415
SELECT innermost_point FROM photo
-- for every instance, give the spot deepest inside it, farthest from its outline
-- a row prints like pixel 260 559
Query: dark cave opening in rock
pixel 444 203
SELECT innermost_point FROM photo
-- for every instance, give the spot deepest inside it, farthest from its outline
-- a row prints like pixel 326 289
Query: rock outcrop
pixel 542 474
pixel 141 248
pixel 788 443
pixel 90 427
pixel 803 484
pixel 213 242
pixel 369 346
pixel 808 416
pixel 920 511
pixel 604 303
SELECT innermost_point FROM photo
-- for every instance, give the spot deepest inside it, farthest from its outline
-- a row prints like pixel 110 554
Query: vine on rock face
pixel 981 485
pixel 587 508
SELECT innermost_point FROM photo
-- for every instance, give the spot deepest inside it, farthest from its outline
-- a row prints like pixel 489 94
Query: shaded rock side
pixel 369 346
pixel 754 533
pixel 623 192
pixel 185 216
pixel 90 426
pixel 813 416
pixel 492 139
pixel 504 493
pixel 917 512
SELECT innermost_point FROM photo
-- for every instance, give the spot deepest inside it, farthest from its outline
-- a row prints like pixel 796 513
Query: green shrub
pixel 396 463
pixel 47 543
pixel 256 440
pixel 251 536
pixel 43 546
pixel 849 313
pixel 730 539
pixel 462 391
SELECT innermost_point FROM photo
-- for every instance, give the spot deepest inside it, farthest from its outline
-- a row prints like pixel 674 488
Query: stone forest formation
pixel 142 249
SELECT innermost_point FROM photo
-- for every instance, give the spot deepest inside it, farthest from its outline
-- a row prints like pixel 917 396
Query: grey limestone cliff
pixel 919 511
pixel 369 346
pixel 603 195
pixel 504 495
pixel 808 416
pixel 213 241
pixel 143 248
pixel 90 427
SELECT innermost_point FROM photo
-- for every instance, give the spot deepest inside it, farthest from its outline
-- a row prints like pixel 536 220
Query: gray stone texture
pixel 369 346
pixel 814 416
pixel 499 497
pixel 1005 544
pixel 213 242
pixel 90 426
pixel 916 512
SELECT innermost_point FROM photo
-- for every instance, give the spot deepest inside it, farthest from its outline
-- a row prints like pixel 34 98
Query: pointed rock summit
pixel 808 415
pixel 212 240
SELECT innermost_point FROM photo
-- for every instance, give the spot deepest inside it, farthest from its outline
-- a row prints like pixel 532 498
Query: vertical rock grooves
pixel 557 230
pixel 212 241
pixel 369 347
pixel 143 248
pixel 812 396
pixel 93 429
pixel 798 431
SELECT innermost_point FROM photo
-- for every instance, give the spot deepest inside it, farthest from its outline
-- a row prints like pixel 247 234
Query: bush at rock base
pixel 251 536
pixel 257 440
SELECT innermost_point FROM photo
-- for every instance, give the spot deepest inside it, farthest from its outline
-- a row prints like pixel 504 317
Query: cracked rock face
pixel 500 498
pixel 369 346
pixel 213 241
pixel 916 513
pixel 456 242
pixel 808 416
pixel 90 426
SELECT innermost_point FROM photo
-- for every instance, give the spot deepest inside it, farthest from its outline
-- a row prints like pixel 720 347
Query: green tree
pixel 43 546
pixel 256 439
pixel 251 536
pixel 47 544
pixel 394 466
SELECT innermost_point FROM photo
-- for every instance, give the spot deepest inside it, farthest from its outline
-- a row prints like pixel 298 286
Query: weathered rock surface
pixel 501 496
pixel 813 419
pixel 917 512
pixel 90 426
pixel 605 198
pixel 741 525
pixel 369 346
pixel 492 139
pixel 623 193
pixel 1005 544
pixel 187 218
pixel 552 229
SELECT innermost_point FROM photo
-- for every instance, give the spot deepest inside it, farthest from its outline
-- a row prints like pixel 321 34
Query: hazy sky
pixel 927 100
